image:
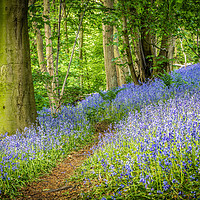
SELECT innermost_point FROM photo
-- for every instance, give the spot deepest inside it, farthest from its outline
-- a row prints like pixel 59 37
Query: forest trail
pixel 54 185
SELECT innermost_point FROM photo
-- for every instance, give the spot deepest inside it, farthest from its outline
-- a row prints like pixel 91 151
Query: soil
pixel 54 185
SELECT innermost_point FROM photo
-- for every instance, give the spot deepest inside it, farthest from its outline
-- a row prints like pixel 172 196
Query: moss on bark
pixel 17 103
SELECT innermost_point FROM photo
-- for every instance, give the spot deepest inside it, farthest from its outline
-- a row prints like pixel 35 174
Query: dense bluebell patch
pixel 162 125
pixel 156 148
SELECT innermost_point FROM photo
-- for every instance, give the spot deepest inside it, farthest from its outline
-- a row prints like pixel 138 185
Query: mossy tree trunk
pixel 17 103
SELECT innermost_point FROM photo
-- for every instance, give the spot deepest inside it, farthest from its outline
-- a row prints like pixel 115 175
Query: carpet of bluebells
pixel 152 153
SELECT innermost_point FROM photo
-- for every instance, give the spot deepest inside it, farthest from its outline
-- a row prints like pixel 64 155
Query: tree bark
pixel 120 65
pixel 49 47
pixel 142 41
pixel 58 48
pixel 171 50
pixel 128 51
pixel 17 103
pixel 49 54
pixel 81 53
pixel 65 15
pixel 147 52
pixel 166 43
pixel 163 55
pixel 111 73
pixel 185 56
pixel 41 58
pixel 40 48
pixel 139 55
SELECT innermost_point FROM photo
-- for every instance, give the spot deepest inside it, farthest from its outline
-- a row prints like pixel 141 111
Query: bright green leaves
pixel 168 80
pixel 110 95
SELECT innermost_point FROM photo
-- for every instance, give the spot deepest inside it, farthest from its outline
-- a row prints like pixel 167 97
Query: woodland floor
pixel 54 185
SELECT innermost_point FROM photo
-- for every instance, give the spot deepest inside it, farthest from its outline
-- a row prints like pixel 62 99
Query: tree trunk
pixel 166 54
pixel 139 55
pixel 146 48
pixel 65 27
pixel 142 41
pixel 171 49
pixel 181 41
pixel 163 64
pixel 81 53
pixel 40 48
pixel 17 103
pixel 128 51
pixel 49 53
pixel 175 52
pixel 54 13
pixel 58 49
pixel 67 74
pixel 166 43
pixel 49 47
pixel 41 58
pixel 120 65
pixel 111 73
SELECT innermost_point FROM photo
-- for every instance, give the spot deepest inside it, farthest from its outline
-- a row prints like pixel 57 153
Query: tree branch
pixel 191 47
pixel 63 87
pixel 58 49
pixel 163 49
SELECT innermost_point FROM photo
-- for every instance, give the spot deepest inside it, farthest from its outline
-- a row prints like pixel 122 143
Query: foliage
pixel 169 80
pixel 166 78
pixel 188 19
pixel 93 114
pixel 178 81
pixel 88 75
pixel 110 95
pixel 103 111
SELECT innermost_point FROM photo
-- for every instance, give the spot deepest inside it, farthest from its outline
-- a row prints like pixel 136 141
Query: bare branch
pixel 191 47
pixel 63 87
pixel 58 48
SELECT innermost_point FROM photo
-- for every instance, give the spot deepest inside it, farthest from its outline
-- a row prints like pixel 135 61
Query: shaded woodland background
pixel 118 42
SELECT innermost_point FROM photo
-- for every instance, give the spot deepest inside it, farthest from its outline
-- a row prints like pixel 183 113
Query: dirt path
pixel 54 185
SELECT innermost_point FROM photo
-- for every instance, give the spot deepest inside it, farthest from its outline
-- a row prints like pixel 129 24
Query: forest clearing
pixel 99 99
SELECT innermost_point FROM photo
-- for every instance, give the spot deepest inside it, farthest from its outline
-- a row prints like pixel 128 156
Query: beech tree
pixel 111 72
pixel 17 103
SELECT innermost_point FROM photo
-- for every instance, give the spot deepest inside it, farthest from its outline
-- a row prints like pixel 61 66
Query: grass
pixel 154 152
